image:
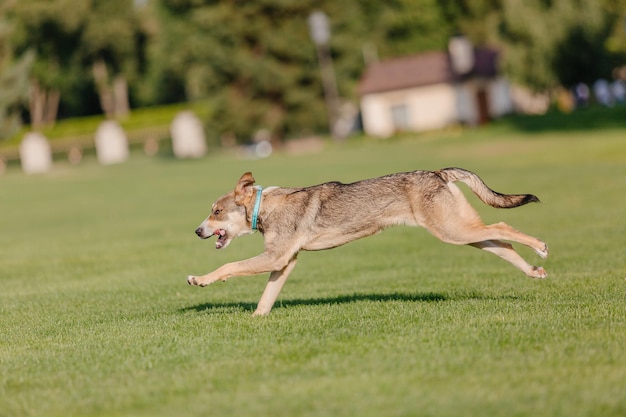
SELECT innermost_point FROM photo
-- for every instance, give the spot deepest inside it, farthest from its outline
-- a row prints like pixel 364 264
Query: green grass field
pixel 96 318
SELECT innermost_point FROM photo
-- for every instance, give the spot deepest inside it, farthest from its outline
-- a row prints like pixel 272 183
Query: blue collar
pixel 257 205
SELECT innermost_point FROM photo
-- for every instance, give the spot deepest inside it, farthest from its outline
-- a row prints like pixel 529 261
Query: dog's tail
pixel 486 194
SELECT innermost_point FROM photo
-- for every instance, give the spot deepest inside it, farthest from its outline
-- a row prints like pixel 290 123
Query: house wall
pixel 498 96
pixel 376 115
pixel 466 103
pixel 500 102
pixel 434 106
pixel 429 107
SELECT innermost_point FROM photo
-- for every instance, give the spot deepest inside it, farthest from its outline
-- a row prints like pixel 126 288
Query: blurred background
pixel 96 317
pixel 277 70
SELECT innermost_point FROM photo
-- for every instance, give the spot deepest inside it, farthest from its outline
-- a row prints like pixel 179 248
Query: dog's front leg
pixel 273 287
pixel 256 265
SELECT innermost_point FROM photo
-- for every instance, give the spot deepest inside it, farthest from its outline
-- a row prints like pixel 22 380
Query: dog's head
pixel 229 214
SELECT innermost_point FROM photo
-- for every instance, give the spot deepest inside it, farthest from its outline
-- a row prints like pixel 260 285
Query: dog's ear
pixel 243 190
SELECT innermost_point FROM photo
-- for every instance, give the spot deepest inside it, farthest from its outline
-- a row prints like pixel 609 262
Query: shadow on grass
pixel 342 299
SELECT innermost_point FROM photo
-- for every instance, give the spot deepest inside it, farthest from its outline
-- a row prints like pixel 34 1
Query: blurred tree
pixel 257 60
pixel 616 43
pixel 14 93
pixel 479 20
pixel 81 46
pixel 410 26
pixel 113 42
pixel 53 28
pixel 13 80
pixel 253 58
pixel 560 42
pixel 545 43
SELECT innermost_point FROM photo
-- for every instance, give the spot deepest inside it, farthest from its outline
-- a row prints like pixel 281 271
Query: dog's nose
pixel 199 231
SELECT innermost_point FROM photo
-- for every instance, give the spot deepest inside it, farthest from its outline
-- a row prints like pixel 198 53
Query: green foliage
pixel 616 42
pixel 262 65
pixel 547 43
pixel 256 61
pixel 53 29
pixel 14 93
pixel 563 46
pixel 97 319
pixel 110 31
pixel 410 26
pixel 70 36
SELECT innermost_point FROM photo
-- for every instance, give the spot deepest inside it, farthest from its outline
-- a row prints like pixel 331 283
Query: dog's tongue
pixel 221 233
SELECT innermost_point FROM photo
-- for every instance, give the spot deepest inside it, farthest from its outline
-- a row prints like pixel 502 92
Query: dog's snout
pixel 199 231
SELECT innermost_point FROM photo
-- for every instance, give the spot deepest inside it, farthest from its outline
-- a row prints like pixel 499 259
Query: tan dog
pixel 329 215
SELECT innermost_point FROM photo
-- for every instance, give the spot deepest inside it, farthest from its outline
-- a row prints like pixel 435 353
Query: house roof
pixel 423 69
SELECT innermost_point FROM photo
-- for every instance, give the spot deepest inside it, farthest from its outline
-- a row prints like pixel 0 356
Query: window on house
pixel 400 117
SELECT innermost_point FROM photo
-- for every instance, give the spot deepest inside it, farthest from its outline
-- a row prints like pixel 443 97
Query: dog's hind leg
pixel 504 231
pixel 273 287
pixel 505 251
pixel 453 220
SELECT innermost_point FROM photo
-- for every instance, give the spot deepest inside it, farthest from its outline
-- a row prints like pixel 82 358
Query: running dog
pixel 332 214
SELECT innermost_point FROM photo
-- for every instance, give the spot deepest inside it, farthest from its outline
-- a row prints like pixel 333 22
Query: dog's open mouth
pixel 222 238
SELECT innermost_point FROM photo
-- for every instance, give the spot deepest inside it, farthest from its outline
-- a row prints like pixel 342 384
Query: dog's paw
pixel 538 272
pixel 543 252
pixel 192 280
pixel 262 311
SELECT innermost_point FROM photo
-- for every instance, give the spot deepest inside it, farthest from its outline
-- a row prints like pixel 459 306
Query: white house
pixel 431 90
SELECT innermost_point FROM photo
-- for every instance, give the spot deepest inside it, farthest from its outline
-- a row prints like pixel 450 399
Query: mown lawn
pixel 96 318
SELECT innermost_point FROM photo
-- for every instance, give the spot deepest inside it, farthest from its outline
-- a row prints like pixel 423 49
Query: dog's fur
pixel 329 215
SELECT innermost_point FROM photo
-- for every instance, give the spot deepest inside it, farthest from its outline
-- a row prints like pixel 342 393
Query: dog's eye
pixel 217 211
